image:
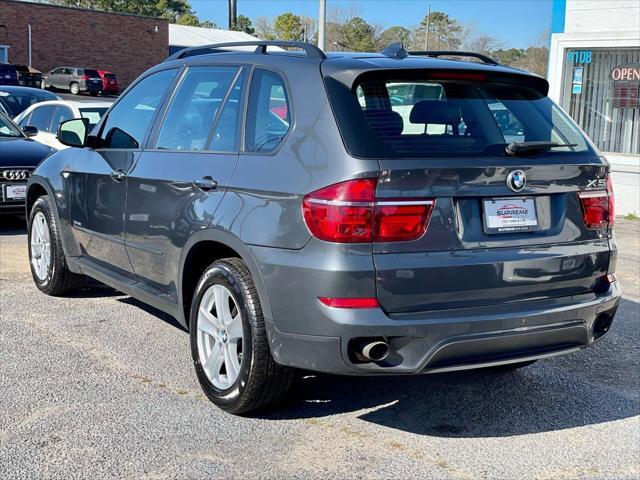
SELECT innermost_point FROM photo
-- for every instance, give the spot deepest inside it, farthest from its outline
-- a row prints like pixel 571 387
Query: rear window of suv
pixel 390 117
pixel 91 73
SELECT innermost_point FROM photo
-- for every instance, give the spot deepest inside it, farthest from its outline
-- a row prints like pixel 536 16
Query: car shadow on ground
pixel 593 386
pixel 12 225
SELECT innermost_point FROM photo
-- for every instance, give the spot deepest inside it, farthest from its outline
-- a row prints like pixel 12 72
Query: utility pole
pixel 322 21
pixel 233 13
pixel 426 35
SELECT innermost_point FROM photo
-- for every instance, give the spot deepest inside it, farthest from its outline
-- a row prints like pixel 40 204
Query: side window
pixel 225 136
pixel 25 121
pixel 41 118
pixel 130 118
pixel 60 115
pixel 269 112
pixel 193 109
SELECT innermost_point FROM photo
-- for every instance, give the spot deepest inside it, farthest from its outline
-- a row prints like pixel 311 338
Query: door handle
pixel 205 184
pixel 118 175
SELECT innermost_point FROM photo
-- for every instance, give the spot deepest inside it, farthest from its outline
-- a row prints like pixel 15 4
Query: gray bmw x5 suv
pixel 358 214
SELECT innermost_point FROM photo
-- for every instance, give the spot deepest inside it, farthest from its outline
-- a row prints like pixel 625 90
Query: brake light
pixel 598 207
pixel 85 77
pixel 349 212
pixel 350 302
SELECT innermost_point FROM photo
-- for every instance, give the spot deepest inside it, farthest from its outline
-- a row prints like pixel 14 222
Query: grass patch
pixel 631 216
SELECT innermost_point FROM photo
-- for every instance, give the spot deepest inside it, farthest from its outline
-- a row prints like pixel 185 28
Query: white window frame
pixel 5 58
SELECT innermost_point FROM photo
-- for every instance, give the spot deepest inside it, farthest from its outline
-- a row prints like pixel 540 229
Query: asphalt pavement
pixel 100 386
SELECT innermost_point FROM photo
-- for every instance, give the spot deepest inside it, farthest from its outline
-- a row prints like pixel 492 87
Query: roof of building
pixel 185 36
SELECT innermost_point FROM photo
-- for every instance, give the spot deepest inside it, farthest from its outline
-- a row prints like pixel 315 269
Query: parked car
pixel 74 79
pixel 8 75
pixel 329 240
pixel 46 116
pixel 110 83
pixel 20 155
pixel 28 76
pixel 17 99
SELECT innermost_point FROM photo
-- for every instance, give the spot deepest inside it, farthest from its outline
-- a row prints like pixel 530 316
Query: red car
pixel 109 82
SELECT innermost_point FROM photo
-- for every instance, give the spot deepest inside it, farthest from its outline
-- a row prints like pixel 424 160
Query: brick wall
pixel 124 44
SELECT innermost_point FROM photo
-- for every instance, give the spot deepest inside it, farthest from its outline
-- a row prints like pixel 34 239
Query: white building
pixel 594 74
pixel 182 36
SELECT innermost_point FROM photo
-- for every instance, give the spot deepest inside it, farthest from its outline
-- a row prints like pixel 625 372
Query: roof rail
pixel 261 47
pixel 453 53
pixel 394 50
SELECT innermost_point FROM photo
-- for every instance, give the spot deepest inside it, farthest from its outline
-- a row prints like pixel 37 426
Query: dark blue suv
pixel 353 213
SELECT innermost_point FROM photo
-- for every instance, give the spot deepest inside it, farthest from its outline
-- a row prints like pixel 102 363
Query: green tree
pixel 445 33
pixel 169 9
pixel 188 19
pixel 243 24
pixel 288 26
pixel 394 34
pixel 357 35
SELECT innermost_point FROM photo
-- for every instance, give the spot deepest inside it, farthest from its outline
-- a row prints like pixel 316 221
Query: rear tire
pixel 94 94
pixel 46 257
pixel 253 381
pixel 74 88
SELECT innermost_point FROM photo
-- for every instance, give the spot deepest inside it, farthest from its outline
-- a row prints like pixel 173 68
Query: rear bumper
pixel 447 340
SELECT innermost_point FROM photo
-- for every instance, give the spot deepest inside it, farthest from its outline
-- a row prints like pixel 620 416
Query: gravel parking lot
pixel 101 386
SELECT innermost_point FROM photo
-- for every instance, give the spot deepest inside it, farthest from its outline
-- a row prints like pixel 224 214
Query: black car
pixel 15 100
pixel 74 79
pixel 20 156
pixel 8 74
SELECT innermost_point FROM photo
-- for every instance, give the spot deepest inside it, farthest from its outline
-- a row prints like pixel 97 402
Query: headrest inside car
pixel 384 122
pixel 435 112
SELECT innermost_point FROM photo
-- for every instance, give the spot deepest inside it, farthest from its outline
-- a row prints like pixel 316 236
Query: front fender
pixel 49 177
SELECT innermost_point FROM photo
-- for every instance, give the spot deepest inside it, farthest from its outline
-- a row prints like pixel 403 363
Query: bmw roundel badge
pixel 516 180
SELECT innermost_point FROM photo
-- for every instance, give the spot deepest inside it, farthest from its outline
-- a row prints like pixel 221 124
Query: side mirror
pixel 30 130
pixel 73 133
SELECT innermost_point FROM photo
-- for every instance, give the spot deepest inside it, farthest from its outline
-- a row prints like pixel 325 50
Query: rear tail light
pixel 85 77
pixel 349 212
pixel 598 207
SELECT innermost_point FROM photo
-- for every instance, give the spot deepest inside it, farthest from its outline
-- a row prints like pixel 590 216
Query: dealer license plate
pixel 16 192
pixel 507 215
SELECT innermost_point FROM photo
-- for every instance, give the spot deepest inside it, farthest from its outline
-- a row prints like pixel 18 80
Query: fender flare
pixel 42 182
pixel 230 240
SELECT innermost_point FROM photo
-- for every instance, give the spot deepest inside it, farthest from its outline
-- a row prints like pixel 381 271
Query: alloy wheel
pixel 40 246
pixel 219 336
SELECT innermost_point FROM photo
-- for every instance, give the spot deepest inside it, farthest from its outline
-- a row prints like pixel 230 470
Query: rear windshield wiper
pixel 518 148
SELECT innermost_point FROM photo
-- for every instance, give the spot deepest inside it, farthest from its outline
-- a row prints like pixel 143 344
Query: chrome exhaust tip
pixel 374 350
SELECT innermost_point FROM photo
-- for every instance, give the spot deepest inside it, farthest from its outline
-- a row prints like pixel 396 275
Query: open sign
pixel 630 72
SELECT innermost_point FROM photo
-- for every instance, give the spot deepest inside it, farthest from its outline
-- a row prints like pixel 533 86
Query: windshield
pixel 389 118
pixel 93 114
pixel 18 101
pixel 8 128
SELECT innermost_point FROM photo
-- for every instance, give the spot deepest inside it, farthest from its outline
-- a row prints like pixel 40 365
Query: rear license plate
pixel 16 192
pixel 508 215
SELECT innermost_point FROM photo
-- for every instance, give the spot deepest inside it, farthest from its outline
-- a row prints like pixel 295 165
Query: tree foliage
pixel 393 35
pixel 357 35
pixel 243 24
pixel 288 26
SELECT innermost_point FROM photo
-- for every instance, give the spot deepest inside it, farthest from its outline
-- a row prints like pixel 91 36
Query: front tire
pixel 46 256
pixel 229 342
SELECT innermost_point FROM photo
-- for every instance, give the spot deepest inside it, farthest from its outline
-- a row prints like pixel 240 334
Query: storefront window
pixel 600 91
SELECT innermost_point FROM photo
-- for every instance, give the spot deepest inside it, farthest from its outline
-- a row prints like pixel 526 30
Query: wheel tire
pixel 94 94
pixel 261 383
pixel 43 85
pixel 58 279
pixel 510 367
pixel 74 88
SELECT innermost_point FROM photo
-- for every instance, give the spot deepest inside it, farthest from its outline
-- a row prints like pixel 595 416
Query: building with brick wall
pixel 61 36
